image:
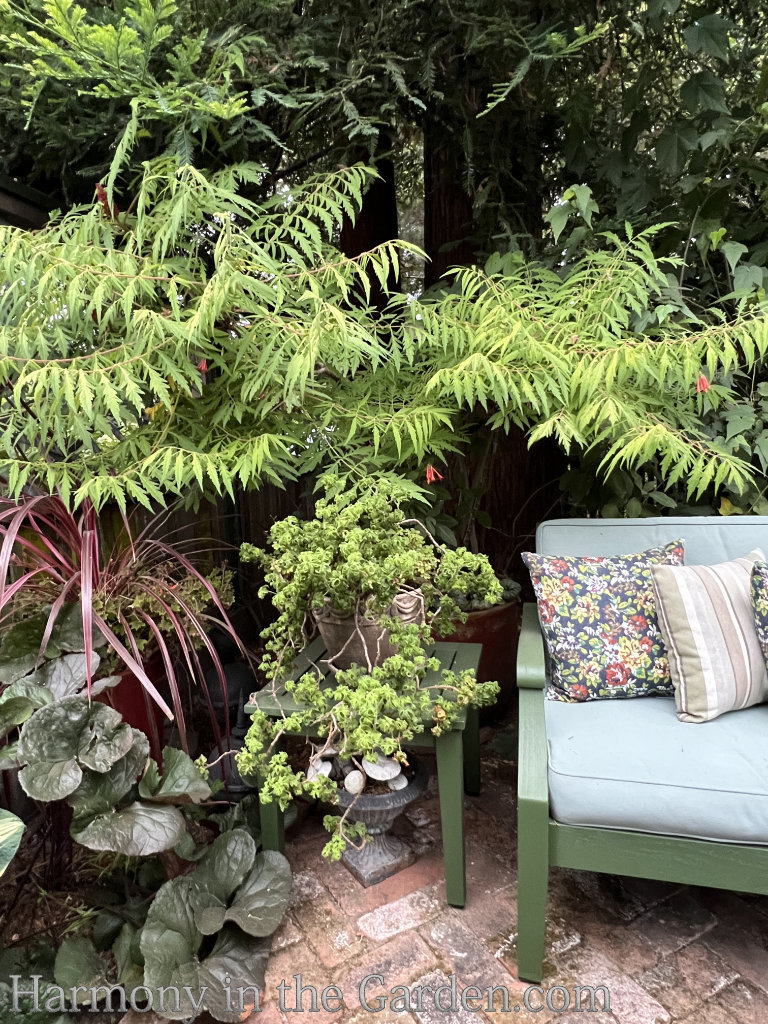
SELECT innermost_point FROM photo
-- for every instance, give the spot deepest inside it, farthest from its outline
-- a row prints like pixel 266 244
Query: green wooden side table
pixel 457 753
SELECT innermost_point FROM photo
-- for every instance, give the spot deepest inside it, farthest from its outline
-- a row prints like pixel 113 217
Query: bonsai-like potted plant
pixel 359 558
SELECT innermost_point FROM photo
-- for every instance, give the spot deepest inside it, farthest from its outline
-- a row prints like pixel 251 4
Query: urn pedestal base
pixel 384 854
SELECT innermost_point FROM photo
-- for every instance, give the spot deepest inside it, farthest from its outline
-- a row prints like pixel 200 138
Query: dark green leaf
pixel 108 738
pixel 259 904
pixel 106 927
pixel 15 711
pixel 557 218
pixel 181 781
pixel 100 792
pixel 187 849
pixel 137 830
pixel 130 974
pixel 738 419
pixel 65 676
pixel 170 941
pixel 733 251
pixel 673 147
pixel 704 91
pixel 78 963
pixel 9 757
pixel 61 737
pixel 718 135
pixel 225 865
pixel 708 34
pixel 747 276
pixel 21 647
pixel 240 958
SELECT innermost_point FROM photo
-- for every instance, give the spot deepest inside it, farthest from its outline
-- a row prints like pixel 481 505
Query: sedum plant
pixel 358 553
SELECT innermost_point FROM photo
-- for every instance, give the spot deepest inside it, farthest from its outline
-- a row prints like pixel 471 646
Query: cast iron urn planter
pixel 384 854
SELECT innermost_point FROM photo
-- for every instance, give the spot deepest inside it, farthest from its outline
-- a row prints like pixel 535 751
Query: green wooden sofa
pixel 623 786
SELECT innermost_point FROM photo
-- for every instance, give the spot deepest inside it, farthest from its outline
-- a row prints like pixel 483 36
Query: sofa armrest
pixel 531 664
pixel 532 785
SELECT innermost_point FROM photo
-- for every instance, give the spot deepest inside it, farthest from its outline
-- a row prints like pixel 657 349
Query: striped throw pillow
pixel 706 619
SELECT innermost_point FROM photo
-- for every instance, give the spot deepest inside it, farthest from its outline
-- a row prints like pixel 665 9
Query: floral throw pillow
pixel 759 597
pixel 598 617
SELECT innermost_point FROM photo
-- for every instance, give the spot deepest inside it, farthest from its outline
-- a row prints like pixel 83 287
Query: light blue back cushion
pixel 630 764
pixel 708 539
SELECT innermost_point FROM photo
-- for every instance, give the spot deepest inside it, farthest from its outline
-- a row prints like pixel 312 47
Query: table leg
pixel 450 776
pixel 272 826
pixel 471 741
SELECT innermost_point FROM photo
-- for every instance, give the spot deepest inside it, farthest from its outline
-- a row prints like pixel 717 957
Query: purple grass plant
pixel 142 596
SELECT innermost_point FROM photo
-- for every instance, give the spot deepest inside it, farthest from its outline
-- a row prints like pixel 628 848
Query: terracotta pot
pixel 349 641
pixel 137 708
pixel 497 629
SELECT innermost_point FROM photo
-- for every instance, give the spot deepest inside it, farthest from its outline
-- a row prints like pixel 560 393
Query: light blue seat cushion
pixel 630 764
pixel 708 539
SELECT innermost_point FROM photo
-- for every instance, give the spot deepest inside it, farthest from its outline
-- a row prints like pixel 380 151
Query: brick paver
pixel 667 954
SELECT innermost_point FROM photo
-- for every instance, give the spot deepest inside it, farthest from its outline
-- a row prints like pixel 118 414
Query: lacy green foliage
pixel 126 83
pixel 735 414
pixel 193 344
pixel 357 554
pixel 662 109
pixel 564 355
pixel 202 342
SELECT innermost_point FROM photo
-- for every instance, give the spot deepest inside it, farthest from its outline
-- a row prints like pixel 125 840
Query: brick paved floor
pixel 665 952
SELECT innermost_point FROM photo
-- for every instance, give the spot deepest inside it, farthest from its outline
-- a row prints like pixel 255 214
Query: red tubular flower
pixel 702 385
pixel 101 195
pixel 432 474
pixel 202 366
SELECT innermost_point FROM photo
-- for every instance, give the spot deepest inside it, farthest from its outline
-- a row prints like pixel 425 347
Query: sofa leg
pixel 532 880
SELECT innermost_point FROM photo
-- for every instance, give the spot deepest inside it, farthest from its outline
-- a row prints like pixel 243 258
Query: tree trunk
pixel 447 207
pixel 377 220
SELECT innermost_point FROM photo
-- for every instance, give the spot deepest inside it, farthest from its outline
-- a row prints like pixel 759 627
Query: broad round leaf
pixel 21 647
pixel 99 792
pixel 129 973
pixel 65 675
pixel 61 737
pixel 106 740
pixel 170 942
pixel 238 959
pixel 137 830
pixel 181 781
pixel 9 757
pixel 78 963
pixel 50 780
pixel 28 688
pixel 225 865
pixel 261 901
pixel 11 829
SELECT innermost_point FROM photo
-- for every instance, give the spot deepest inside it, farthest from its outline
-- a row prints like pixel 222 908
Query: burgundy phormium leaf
pixel 58 559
